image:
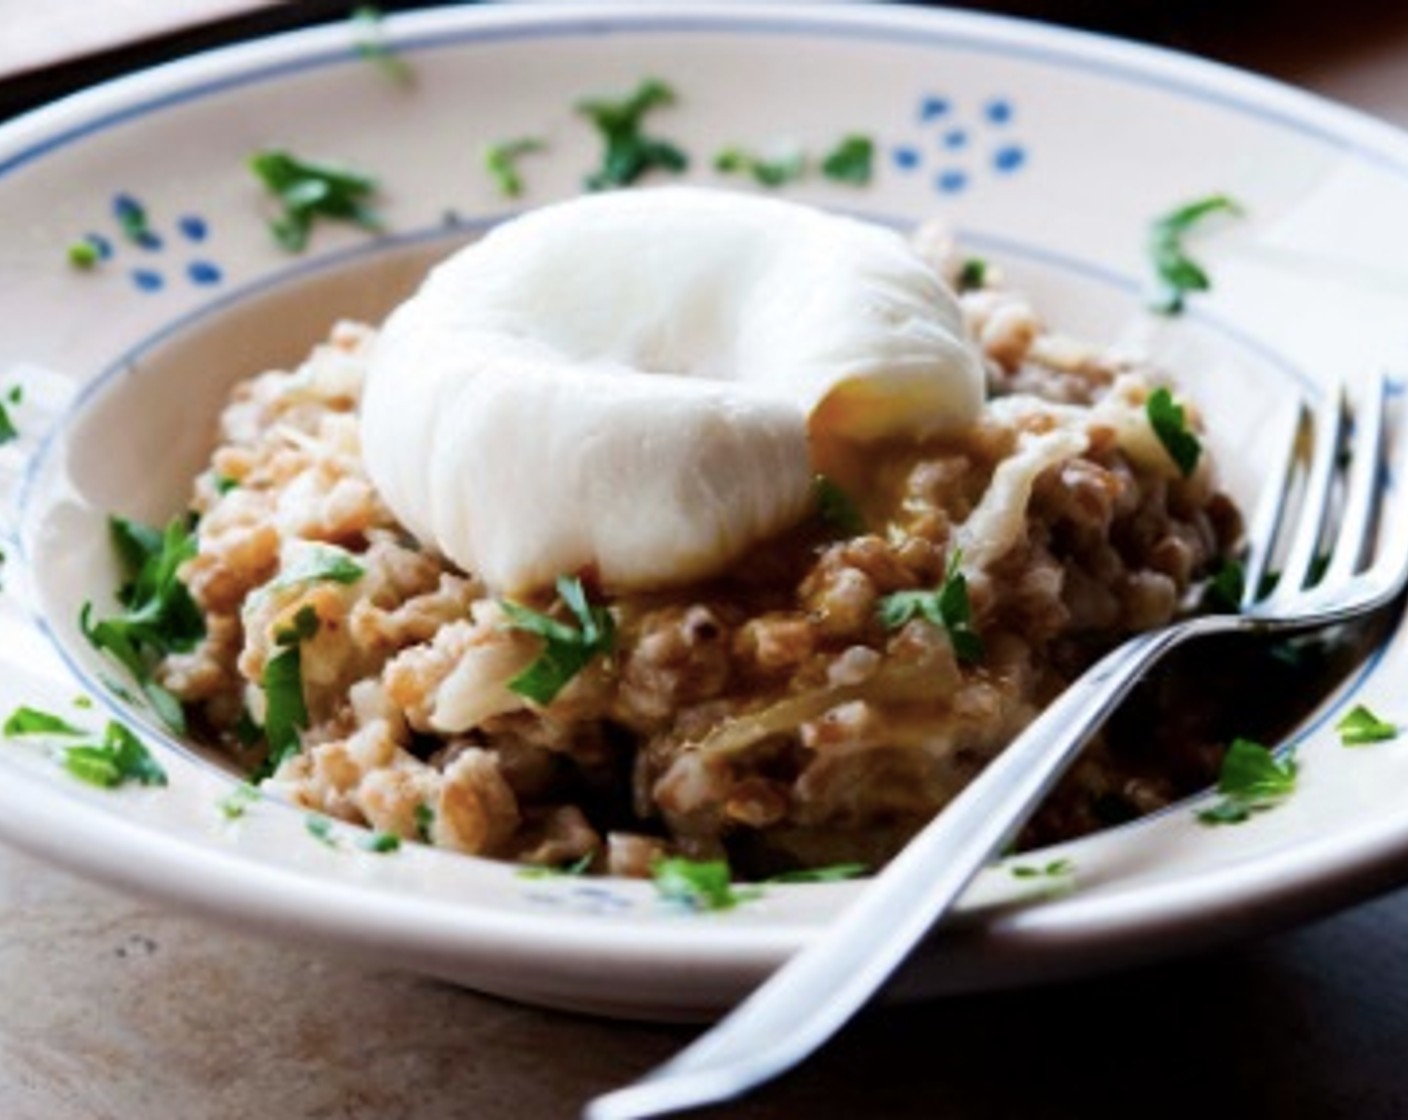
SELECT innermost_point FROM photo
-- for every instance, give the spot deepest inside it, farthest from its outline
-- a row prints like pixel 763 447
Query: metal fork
pixel 813 995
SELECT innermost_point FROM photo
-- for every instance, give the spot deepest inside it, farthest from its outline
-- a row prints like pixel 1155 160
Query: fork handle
pixel 814 994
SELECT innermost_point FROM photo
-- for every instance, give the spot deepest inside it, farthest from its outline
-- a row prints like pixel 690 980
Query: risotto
pixel 816 702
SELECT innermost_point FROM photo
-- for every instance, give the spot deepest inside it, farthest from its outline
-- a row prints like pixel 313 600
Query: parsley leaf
pixel 629 153
pixel 833 873
pixel 851 161
pixel 159 618
pixel 837 509
pixel 768 172
pixel 120 758
pixel 1056 869
pixel 237 802
pixel 1175 272
pixel 567 649
pixel 948 606
pixel 574 869
pixel 1170 425
pixel 972 274
pixel 317 562
pixel 308 190
pixel 8 432
pixel 320 828
pixel 132 217
pixel 1361 726
pixel 1225 588
pixel 501 161
pixel 697 884
pixel 380 843
pixel 1252 780
pixel 31 721
pixel 83 254
pixel 285 712
pixel 372 46
pixel 425 822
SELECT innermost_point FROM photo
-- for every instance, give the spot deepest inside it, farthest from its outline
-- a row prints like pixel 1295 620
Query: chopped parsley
pixel 381 843
pixel 120 758
pixel 972 274
pixel 318 563
pixel 567 649
pixel 501 162
pixel 1170 425
pixel 8 432
pixel 837 509
pixel 159 615
pixel 1225 588
pixel 308 190
pixel 851 161
pixel 238 801
pixel 1252 780
pixel 628 152
pixel 320 828
pixel 223 483
pixel 1056 869
pixel 132 217
pixel 1361 726
pixel 576 868
pixel 766 171
pixel 1175 272
pixel 697 884
pixel 285 713
pixel 83 254
pixel 371 45
pixel 31 721
pixel 833 873
pixel 948 606
pixel 425 822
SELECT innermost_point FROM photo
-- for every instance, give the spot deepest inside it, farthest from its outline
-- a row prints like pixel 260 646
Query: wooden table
pixel 113 1009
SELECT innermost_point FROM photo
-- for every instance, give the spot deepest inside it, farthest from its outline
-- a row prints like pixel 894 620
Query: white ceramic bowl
pixel 1049 151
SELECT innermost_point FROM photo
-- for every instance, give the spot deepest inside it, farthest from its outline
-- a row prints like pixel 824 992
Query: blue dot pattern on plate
pixel 136 231
pixel 963 143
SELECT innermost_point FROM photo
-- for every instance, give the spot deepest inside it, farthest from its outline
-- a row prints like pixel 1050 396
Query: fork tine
pixel 1271 507
pixel 1366 466
pixel 1298 567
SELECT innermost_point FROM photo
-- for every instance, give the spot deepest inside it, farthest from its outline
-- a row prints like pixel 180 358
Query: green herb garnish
pixel 8 432
pixel 501 161
pixel 285 712
pixel 576 868
pixel 834 873
pixel 309 190
pixel 120 758
pixel 83 254
pixel 851 161
pixel 629 153
pixel 1360 726
pixel 837 509
pixel 425 822
pixel 567 649
pixel 1225 588
pixel 948 606
pixel 318 563
pixel 371 45
pixel 1176 273
pixel 766 171
pixel 237 802
pixel 697 884
pixel 972 274
pixel 320 828
pixel 381 843
pixel 223 483
pixel 159 616
pixel 1170 425
pixel 1056 869
pixel 31 721
pixel 1252 780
